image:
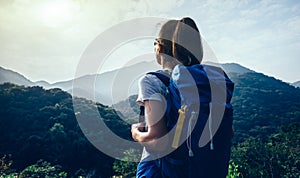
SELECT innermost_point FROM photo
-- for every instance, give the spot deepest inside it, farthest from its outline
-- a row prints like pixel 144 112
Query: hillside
pixel 41 124
pixel 262 105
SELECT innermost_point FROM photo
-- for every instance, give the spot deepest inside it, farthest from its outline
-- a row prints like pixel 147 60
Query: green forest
pixel 40 136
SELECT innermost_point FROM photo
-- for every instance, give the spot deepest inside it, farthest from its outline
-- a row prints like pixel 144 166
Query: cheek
pixel 157 54
pixel 158 58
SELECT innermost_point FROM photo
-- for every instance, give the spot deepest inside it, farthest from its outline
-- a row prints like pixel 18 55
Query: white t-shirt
pixel 151 88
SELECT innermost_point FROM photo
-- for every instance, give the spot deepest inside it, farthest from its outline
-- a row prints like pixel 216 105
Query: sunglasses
pixel 156 42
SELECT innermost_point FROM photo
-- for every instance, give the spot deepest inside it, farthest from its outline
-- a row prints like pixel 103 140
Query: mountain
pixel 231 67
pixel 114 86
pixel 235 68
pixel 296 84
pixel 43 83
pixel 109 87
pixel 262 103
pixel 7 75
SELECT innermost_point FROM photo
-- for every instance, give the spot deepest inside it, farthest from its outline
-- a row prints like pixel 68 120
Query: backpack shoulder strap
pixel 162 77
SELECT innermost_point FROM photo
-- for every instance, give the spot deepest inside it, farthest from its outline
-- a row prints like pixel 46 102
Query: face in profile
pixel 157 48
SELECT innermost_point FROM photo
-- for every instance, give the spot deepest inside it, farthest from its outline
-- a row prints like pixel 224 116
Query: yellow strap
pixel 179 126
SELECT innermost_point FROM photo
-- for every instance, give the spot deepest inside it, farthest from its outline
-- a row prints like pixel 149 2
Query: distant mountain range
pixel 14 77
pixel 262 103
pixel 119 83
pixel 109 87
pixel 296 84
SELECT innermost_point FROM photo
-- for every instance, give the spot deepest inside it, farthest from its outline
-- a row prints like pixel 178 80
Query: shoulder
pixel 150 79
pixel 147 78
pixel 151 88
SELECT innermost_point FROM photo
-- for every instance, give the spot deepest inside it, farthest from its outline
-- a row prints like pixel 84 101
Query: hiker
pixel 179 111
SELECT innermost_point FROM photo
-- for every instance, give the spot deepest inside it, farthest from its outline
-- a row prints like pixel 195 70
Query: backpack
pixel 200 115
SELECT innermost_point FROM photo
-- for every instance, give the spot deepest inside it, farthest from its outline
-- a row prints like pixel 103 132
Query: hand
pixel 135 131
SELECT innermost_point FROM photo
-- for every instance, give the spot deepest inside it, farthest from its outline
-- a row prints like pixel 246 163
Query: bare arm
pixel 154 113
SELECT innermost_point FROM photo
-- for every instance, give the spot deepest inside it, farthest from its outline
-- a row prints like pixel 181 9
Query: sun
pixel 55 13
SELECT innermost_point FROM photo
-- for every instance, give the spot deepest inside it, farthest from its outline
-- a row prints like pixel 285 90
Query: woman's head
pixel 179 41
pixel 186 43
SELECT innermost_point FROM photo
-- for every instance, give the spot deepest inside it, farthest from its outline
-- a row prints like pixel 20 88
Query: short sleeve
pixel 150 88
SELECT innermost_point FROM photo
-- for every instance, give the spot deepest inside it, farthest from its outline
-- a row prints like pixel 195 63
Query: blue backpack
pixel 199 117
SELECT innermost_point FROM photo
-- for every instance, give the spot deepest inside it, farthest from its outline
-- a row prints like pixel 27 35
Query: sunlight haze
pixel 44 40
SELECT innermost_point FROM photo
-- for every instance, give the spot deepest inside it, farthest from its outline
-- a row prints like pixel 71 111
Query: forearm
pixel 143 137
pixel 154 142
pixel 152 133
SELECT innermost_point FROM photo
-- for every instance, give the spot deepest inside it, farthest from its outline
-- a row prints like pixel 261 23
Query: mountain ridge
pixel 109 87
pixel 7 75
pixel 296 84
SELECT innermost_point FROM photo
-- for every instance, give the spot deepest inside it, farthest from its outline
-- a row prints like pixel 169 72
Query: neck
pixel 168 64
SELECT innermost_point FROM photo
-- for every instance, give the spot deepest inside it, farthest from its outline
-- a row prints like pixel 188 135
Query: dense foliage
pixel 278 156
pixel 40 124
pixel 262 105
pixel 41 136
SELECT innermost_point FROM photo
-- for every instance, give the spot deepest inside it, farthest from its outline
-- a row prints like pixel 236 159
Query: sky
pixel 45 39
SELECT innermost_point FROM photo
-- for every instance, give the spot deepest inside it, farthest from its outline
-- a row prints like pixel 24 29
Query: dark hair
pixel 165 36
pixel 187 46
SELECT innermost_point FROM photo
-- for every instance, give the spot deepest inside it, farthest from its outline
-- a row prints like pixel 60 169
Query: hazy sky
pixel 44 39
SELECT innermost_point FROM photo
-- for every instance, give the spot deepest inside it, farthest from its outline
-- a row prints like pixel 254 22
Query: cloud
pixel 43 38
pixel 258 34
pixel 241 31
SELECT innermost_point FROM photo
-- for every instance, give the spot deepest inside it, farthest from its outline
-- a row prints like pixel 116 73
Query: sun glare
pixel 55 13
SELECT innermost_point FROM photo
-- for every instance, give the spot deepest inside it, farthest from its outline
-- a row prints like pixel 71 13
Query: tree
pixel 43 169
pixel 278 156
pixel 5 165
pixel 126 167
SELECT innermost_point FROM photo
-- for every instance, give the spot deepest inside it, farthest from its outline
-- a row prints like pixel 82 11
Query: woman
pixel 179 46
pixel 152 93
